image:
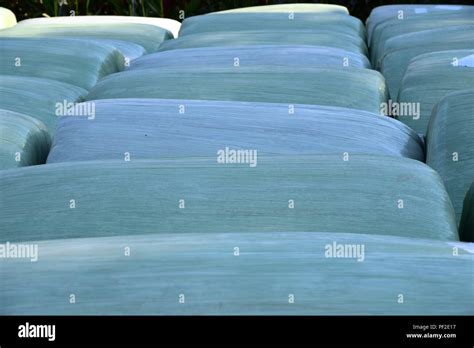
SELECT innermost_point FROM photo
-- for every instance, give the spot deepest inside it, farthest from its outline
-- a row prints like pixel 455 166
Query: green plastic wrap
pixel 347 42
pixel 430 77
pixel 241 274
pixel 148 36
pixel 255 57
pixel 450 144
pixel 340 23
pixel 37 97
pixel 155 129
pixel 382 14
pixel 24 141
pixel 362 89
pixel 7 18
pixel 78 62
pixel 400 50
pixel 466 227
pixel 337 193
pixel 169 24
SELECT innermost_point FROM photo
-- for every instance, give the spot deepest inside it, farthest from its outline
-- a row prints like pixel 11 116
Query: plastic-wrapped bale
pixel 169 24
pixel 255 57
pixel 155 129
pixel 289 8
pixel 430 77
pixel 268 37
pixel 396 27
pixel 466 227
pixel 42 99
pixel 450 141
pixel 401 49
pixel 353 88
pixel 272 21
pixel 382 14
pixel 148 36
pixel 24 141
pixel 313 193
pixel 270 269
pixel 7 18
pixel 78 62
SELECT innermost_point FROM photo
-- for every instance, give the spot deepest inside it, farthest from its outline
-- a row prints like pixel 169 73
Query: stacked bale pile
pixel 426 54
pixel 42 76
pixel 234 160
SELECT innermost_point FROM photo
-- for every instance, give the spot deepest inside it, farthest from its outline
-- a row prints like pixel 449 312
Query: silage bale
pixel 165 23
pixel 155 129
pixel 381 14
pixel 253 56
pixel 268 37
pixel 24 141
pixel 7 18
pixel 362 89
pixel 261 273
pixel 327 9
pixel 450 144
pixel 74 61
pixel 466 227
pixel 401 49
pixel 430 77
pixel 314 193
pixel 37 97
pixel 396 27
pixel 148 36
pixel 340 23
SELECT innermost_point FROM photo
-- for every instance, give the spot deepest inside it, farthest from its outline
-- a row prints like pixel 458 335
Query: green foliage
pixel 171 8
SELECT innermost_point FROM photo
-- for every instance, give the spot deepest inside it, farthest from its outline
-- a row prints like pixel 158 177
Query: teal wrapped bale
pixel 241 274
pixel 382 14
pixel 400 50
pixel 166 23
pixel 347 42
pixel 364 89
pixel 328 9
pixel 156 129
pixel 340 23
pixel 466 227
pixel 450 144
pixel 78 62
pixel 148 36
pixel 24 141
pixel 38 98
pixel 430 77
pixel 337 193
pixel 255 57
pixel 396 27
pixel 7 18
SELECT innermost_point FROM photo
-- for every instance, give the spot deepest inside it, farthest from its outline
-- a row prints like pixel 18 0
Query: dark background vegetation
pixel 170 8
